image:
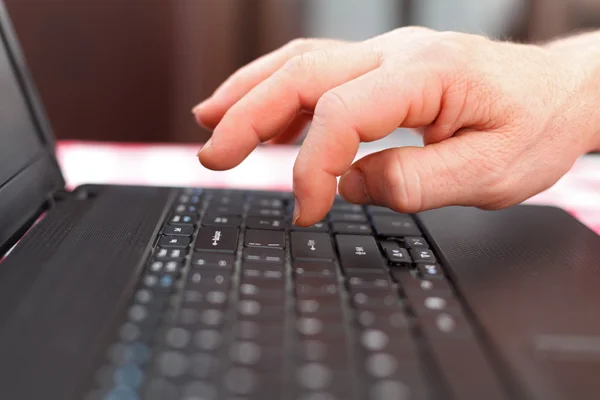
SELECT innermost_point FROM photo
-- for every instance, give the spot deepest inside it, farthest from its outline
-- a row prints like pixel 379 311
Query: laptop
pixel 124 293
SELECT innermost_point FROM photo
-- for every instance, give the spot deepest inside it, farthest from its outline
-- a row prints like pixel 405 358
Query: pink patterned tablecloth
pixel 270 168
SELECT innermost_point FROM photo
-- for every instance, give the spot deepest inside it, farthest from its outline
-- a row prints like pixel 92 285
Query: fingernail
pixel 353 188
pixel 206 146
pixel 296 211
pixel 199 106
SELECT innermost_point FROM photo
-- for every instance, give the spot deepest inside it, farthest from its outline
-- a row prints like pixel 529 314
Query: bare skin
pixel 501 121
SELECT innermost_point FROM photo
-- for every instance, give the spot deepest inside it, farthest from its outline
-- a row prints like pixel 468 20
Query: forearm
pixel 581 54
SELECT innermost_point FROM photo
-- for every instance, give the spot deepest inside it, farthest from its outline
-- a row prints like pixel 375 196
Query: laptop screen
pixel 20 144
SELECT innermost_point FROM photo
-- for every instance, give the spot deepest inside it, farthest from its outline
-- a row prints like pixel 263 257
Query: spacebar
pixel 466 371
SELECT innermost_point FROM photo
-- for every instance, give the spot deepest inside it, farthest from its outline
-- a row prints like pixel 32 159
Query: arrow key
pixel 180 242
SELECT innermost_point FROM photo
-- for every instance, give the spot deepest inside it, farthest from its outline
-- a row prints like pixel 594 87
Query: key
pixel 264 238
pixel 236 199
pixel 415 242
pixel 255 211
pixel 311 246
pixel 322 226
pixel 265 271
pixel 359 252
pixel 222 220
pixel 265 223
pixel 267 202
pixel 430 271
pixel 170 254
pixel 315 269
pixel 220 210
pixel 421 287
pixel 422 255
pixel 213 260
pixel 395 253
pixel 264 255
pixel 376 210
pixel 396 225
pixel 346 207
pixel 368 280
pixel 190 199
pixel 180 242
pixel 178 230
pixel 445 325
pixel 183 219
pixel 347 217
pixel 351 227
pixel 217 239
pixel 434 304
pixel 186 209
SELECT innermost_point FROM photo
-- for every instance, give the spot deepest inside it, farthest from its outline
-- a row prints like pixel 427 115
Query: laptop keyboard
pixel 237 303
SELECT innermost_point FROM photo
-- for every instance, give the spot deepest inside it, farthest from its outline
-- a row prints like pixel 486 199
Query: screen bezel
pixel 26 193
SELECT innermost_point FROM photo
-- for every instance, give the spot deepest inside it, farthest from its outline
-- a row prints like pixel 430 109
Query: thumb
pixel 413 179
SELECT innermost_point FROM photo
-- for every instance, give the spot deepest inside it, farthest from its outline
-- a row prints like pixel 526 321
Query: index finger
pixel 271 105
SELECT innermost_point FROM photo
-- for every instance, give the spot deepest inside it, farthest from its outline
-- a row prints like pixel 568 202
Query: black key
pixel 265 271
pixel 213 260
pixel 186 209
pixel 183 219
pixel 434 304
pixel 397 225
pixel 265 212
pixel 171 254
pixel 205 279
pixel 319 306
pixel 395 253
pixel 373 280
pixel 376 210
pixel 265 223
pixel 165 267
pixel 190 199
pixel 264 255
pixel 228 200
pixel 315 268
pixel 351 228
pixel 459 361
pixel 347 217
pixel 322 226
pixel 259 287
pixel 267 202
pixel 264 238
pixel 422 255
pixel 421 287
pixel 375 298
pixel 222 220
pixel 347 207
pixel 415 242
pixel 432 271
pixel 311 246
pixel 220 210
pixel 180 242
pixel 217 239
pixel 178 230
pixel 445 325
pixel 359 252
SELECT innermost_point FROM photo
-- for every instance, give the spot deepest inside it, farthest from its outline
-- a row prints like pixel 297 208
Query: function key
pixel 190 199
pixel 420 287
pixel 267 202
pixel 256 211
pixel 222 220
pixel 395 253
pixel 264 238
pixel 276 256
pixel 335 216
pixel 422 255
pixel 186 209
pixel 445 325
pixel 430 271
pixel 171 254
pixel 322 226
pixel 311 246
pixel 265 223
pixel 265 271
pixel 397 225
pixel 315 269
pixel 219 211
pixel 231 199
pixel 183 219
pixel 178 230
pixel 213 260
pixel 351 228
pixel 217 239
pixel 377 210
pixel 180 242
pixel 435 303
pixel 347 207
pixel 359 252
pixel 415 242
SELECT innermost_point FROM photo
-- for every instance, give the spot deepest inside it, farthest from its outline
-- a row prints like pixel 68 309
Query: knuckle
pixel 401 190
pixel 331 103
pixel 299 44
pixel 299 63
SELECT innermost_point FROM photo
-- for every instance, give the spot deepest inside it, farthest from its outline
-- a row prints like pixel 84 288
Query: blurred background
pixel 130 70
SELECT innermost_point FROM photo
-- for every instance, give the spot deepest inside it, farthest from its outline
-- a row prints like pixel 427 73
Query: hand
pixel 501 121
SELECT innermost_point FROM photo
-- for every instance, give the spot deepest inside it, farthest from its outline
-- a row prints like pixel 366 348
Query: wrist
pixel 579 58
